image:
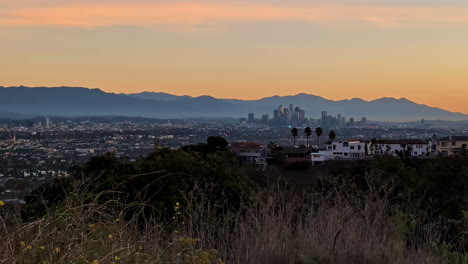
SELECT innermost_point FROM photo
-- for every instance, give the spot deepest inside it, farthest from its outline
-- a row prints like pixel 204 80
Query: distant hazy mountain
pixel 76 101
pixel 157 96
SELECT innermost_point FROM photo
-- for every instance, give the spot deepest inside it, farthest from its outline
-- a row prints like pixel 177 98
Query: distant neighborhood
pixel 350 150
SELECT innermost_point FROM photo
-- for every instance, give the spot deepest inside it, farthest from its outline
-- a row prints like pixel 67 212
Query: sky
pixel 338 49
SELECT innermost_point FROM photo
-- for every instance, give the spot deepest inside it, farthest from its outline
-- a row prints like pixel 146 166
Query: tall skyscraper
pixel 276 114
pixel 291 111
pixel 324 119
pixel 251 118
pixel 47 122
pixel 265 119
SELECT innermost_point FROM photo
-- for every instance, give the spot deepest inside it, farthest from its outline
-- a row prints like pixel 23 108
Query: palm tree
pixel 294 133
pixel 332 136
pixel 308 132
pixel 318 132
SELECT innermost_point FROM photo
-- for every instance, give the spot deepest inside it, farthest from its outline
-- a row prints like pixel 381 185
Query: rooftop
pixel 402 141
pixel 291 150
pixel 246 145
pixel 460 138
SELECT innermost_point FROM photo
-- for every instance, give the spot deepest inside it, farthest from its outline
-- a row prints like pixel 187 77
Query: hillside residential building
pixel 414 147
pixel 348 149
pixel 291 152
pixel 249 152
pixel 452 145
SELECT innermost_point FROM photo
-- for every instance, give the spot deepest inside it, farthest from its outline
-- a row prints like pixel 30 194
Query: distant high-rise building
pixel 276 113
pixel 324 119
pixel 265 119
pixel 364 121
pixel 30 123
pixel 251 118
pixel 286 115
pixel 281 109
pixel 291 111
pixel 351 121
pixel 47 122
pixel 301 115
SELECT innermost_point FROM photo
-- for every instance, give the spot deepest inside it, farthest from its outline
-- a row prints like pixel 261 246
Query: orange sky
pixel 239 49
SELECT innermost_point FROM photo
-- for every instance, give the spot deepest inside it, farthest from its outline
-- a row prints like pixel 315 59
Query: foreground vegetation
pixel 196 206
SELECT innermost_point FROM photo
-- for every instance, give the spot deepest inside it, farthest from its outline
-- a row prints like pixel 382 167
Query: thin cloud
pixel 166 14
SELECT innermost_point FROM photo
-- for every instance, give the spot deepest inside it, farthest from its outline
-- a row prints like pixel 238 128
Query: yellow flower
pixel 2 203
pixel 110 236
pixel 177 204
pixel 41 247
pixel 57 250
pixel 91 226
pixel 21 243
pixel 116 258
pixel 96 261
pixel 29 247
pixel 117 220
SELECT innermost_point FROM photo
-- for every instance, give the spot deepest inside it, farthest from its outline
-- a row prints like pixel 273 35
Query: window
pixel 345 144
pixel 346 154
pixel 359 147
pixel 352 147
pixel 444 144
pixel 454 143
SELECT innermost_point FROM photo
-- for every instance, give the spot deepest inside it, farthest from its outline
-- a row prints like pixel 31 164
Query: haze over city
pixel 242 49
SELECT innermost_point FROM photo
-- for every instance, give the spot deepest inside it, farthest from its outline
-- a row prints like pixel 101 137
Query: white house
pixel 414 147
pixel 348 149
pixel 249 152
pixel 452 145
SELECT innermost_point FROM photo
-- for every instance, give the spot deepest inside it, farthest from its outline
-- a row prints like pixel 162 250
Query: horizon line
pixel 219 98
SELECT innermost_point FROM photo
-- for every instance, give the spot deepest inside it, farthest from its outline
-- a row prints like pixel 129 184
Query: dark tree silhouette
pixel 332 136
pixel 308 132
pixel 318 133
pixel 294 133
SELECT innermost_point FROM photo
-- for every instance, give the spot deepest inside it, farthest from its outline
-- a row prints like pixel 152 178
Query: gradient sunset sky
pixel 416 49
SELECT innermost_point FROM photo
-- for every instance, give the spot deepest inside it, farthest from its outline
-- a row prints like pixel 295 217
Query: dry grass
pixel 276 227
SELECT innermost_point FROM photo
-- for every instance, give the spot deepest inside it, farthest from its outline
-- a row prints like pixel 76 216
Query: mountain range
pixel 78 101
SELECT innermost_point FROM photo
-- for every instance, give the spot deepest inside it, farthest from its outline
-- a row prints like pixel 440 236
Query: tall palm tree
pixel 308 132
pixel 294 133
pixel 332 136
pixel 318 132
